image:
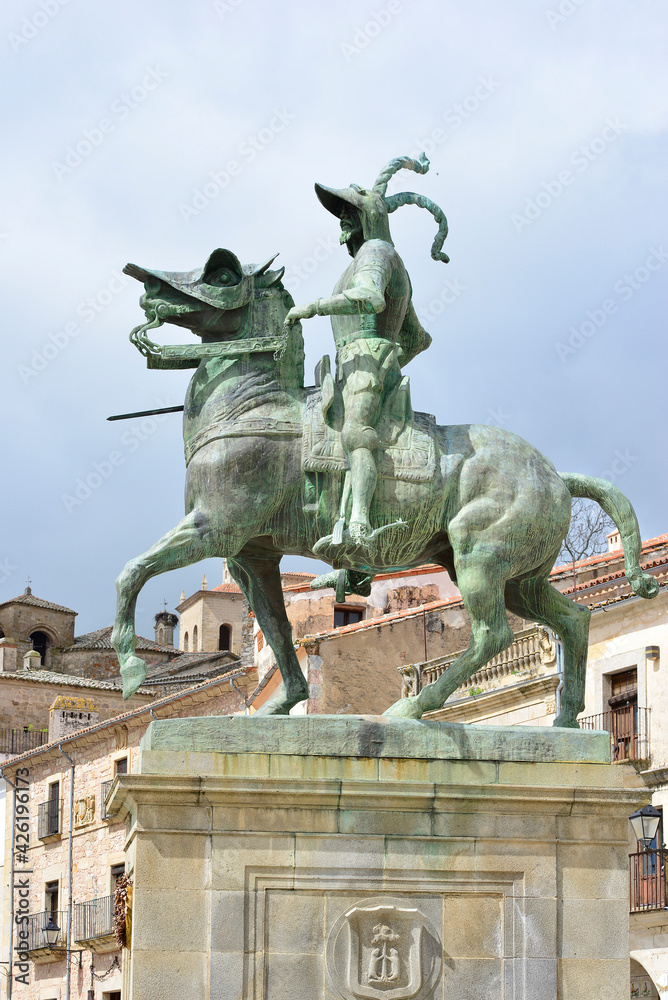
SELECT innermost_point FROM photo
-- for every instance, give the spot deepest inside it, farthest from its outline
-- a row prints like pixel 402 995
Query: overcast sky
pixel 545 122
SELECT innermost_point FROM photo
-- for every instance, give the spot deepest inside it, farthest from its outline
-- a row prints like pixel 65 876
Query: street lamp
pixel 52 932
pixel 645 823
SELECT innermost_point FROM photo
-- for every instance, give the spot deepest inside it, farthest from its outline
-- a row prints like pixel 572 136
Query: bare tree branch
pixel 587 535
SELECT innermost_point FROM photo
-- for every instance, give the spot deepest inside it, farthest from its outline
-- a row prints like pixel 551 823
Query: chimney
pixel 165 623
pixel 614 541
pixel 66 715
pixel 32 660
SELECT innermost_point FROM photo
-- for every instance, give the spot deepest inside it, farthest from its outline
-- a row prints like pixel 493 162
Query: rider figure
pixel 376 330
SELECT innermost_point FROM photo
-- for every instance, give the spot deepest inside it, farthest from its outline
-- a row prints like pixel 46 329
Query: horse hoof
pixel 405 708
pixel 133 673
pixel 281 704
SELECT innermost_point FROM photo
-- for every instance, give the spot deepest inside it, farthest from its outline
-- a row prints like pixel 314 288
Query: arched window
pixel 224 637
pixel 195 639
pixel 40 643
pixel 185 643
pixel 161 636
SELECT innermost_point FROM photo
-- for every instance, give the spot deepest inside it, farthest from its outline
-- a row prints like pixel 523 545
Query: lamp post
pixel 51 931
pixel 645 823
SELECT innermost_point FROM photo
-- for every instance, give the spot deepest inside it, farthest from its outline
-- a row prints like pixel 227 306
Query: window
pixel 224 637
pixel 623 702
pixel 185 643
pixel 40 643
pixel 117 871
pixel 347 616
pixel 195 639
pixel 48 813
pixel 51 899
pixel 121 766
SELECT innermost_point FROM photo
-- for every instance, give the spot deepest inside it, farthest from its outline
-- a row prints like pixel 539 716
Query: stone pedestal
pixel 320 858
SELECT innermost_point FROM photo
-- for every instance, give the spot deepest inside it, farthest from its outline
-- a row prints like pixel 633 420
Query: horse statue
pixel 266 475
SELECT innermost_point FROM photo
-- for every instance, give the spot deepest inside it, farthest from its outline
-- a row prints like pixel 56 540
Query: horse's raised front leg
pixel 260 580
pixel 185 544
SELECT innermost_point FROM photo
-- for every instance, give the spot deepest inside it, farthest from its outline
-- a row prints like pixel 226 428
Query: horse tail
pixel 619 508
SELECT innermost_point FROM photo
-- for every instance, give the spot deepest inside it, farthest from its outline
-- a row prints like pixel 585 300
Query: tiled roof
pixel 37 602
pixel 101 639
pixel 182 664
pixel 124 716
pixel 65 680
pixel 226 588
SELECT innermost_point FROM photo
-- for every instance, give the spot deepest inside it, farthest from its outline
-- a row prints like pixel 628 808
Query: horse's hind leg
pixel 185 544
pixel 481 578
pixel 260 580
pixel 538 600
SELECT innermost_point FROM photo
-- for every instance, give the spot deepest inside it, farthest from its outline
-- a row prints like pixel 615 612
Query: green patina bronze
pixel 346 470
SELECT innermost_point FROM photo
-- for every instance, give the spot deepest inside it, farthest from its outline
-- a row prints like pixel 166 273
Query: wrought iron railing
pixel 629 728
pixel 94 918
pixel 647 881
pixel 48 818
pixel 36 935
pixel 104 791
pixel 21 740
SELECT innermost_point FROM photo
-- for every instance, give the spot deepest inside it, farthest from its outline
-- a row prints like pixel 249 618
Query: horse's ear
pixel 261 268
pixel 270 278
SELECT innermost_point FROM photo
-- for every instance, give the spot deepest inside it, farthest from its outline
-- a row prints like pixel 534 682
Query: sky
pixel 155 132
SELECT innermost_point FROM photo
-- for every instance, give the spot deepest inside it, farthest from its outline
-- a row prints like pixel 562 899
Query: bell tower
pixel 165 623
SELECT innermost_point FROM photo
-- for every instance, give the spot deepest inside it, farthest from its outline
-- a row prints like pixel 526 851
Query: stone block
pixel 596 979
pixel 157 976
pixel 473 926
pixel 179 860
pixel 161 915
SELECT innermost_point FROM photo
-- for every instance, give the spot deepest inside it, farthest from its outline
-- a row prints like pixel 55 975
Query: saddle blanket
pixel 411 457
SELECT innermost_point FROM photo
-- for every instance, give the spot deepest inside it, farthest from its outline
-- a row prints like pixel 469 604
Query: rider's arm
pixel 365 295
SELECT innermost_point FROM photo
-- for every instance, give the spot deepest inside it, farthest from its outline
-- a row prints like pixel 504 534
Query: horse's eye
pixel 223 277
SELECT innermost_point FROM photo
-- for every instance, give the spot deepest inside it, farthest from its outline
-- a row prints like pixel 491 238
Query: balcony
pixel 15 741
pixel 647 881
pixel 48 819
pixel 531 653
pixel 37 948
pixel 629 731
pixel 94 924
pixel 104 791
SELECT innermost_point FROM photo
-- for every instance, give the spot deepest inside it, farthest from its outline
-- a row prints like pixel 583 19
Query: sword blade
pixel 146 413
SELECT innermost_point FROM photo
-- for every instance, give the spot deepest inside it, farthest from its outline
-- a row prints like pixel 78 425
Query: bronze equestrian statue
pixel 268 461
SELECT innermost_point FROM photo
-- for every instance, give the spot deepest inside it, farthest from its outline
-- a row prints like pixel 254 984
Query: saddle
pixel 408 438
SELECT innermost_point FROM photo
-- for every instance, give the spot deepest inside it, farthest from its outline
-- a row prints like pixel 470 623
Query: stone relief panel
pixel 383 949
pixel 324 934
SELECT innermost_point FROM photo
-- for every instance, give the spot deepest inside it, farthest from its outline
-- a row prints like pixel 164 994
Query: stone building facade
pixel 90 758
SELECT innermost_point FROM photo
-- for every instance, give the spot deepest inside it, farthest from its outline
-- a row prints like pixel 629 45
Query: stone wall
pixel 98 842
pixel 25 701
pixel 101 664
pixel 356 669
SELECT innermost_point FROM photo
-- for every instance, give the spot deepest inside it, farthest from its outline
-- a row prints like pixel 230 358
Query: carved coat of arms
pixel 377 952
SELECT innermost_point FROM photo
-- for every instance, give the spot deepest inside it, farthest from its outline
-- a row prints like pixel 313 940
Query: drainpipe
pixel 69 872
pixel 10 964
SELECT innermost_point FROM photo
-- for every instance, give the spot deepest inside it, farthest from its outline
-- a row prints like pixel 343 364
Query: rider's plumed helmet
pixel 373 206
